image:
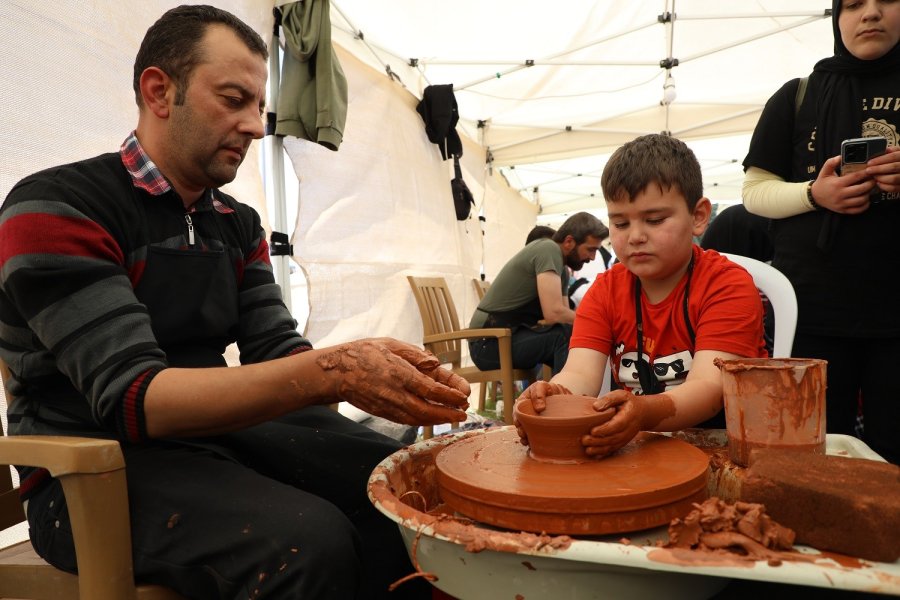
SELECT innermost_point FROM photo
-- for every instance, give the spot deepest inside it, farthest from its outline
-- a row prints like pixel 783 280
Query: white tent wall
pixel 380 209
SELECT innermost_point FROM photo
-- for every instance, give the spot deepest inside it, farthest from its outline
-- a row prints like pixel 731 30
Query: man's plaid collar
pixel 146 176
pixel 143 171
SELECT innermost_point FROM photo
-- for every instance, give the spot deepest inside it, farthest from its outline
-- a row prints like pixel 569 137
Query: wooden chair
pixel 443 337
pixel 481 288
pixel 92 473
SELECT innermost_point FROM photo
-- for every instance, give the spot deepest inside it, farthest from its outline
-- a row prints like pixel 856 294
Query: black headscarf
pixel 838 110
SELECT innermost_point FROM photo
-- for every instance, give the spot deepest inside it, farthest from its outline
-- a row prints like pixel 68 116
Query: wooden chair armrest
pixel 504 340
pixel 468 334
pixel 92 473
pixel 61 455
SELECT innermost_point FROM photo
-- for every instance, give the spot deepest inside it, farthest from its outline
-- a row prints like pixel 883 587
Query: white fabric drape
pixel 380 209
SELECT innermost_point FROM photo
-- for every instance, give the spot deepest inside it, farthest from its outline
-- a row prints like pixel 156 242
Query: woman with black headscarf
pixel 835 236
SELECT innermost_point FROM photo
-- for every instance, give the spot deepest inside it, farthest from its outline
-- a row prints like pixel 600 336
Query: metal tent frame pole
pixel 273 167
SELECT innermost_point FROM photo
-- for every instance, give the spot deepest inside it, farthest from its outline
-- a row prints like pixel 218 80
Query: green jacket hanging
pixel 312 101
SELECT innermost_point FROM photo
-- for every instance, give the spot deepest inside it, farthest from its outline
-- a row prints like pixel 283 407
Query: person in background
pixel 539 232
pixel 664 312
pixel 529 295
pixel 125 276
pixel 834 233
pixel 736 231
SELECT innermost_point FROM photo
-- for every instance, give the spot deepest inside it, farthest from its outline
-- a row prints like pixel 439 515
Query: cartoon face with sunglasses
pixel 641 377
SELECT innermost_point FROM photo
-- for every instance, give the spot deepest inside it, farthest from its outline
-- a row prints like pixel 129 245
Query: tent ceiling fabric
pixel 596 79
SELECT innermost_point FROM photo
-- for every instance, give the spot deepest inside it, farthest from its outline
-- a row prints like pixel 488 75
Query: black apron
pixel 192 297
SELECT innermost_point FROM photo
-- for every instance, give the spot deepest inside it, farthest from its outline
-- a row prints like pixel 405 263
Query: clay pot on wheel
pixel 555 434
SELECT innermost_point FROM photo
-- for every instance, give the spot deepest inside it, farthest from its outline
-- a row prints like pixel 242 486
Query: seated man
pixel 125 276
pixel 529 295
pixel 665 311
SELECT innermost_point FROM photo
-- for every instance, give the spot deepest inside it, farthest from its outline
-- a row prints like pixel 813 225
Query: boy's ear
pixel 702 212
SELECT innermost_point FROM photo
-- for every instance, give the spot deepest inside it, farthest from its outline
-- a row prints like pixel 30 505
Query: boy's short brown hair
pixel 654 158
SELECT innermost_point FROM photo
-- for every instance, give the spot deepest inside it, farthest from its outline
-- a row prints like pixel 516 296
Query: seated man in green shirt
pixel 529 296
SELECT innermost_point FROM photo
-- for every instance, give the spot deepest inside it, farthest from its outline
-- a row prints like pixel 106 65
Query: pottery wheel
pixel 491 478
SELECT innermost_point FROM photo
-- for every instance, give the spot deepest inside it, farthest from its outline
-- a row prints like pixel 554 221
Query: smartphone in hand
pixel 856 152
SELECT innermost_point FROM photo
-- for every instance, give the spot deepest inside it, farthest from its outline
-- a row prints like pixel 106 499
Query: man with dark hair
pixel 124 278
pixel 529 295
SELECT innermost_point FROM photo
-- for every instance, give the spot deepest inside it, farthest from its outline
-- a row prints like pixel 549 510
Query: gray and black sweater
pixel 74 242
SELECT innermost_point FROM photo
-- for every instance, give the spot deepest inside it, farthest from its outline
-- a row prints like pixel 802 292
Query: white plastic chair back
pixel 772 282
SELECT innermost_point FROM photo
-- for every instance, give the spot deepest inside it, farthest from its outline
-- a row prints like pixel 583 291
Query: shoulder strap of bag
pixel 801 92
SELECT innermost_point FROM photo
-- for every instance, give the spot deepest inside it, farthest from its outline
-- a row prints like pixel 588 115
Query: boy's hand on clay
pixel 633 414
pixel 396 381
pixel 536 394
pixel 621 429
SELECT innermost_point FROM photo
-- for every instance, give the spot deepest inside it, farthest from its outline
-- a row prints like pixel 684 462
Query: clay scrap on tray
pixel 741 528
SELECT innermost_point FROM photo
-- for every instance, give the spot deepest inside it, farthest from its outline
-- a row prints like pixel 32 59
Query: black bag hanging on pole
pixel 440 113
pixel 462 196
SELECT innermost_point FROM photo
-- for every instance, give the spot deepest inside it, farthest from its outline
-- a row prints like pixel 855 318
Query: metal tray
pixel 471 560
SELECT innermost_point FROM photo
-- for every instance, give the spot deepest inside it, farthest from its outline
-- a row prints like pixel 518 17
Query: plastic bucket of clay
pixel 773 403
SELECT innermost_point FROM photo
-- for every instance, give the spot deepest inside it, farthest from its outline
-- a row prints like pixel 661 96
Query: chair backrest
pixel 778 289
pixel 438 315
pixel 481 287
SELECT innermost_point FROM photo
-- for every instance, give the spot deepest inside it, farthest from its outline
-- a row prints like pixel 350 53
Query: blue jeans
pixel 545 345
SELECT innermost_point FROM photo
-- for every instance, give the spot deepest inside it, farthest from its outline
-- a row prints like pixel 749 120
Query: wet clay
pixel 407 490
pixel 723 533
pixel 773 403
pixel 743 527
pixel 491 479
pixel 554 434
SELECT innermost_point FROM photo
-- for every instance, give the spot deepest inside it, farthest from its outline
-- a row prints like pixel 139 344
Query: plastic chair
pixel 92 473
pixel 778 289
pixel 443 337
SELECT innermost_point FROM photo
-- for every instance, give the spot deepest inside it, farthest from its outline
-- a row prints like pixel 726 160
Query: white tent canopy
pixel 597 78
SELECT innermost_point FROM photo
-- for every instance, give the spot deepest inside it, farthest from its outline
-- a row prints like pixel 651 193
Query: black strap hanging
pixel 649 383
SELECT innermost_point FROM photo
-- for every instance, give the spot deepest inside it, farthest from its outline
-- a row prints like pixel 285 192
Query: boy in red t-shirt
pixel 694 305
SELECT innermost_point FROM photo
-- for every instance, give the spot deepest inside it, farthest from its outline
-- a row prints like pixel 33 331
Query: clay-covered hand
pixel 536 394
pixel 621 429
pixel 395 380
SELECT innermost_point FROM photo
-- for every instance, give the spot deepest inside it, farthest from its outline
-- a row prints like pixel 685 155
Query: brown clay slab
pixel 491 478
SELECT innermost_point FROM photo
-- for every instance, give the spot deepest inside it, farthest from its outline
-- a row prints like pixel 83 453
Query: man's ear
pixel 568 244
pixel 157 91
pixel 702 212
